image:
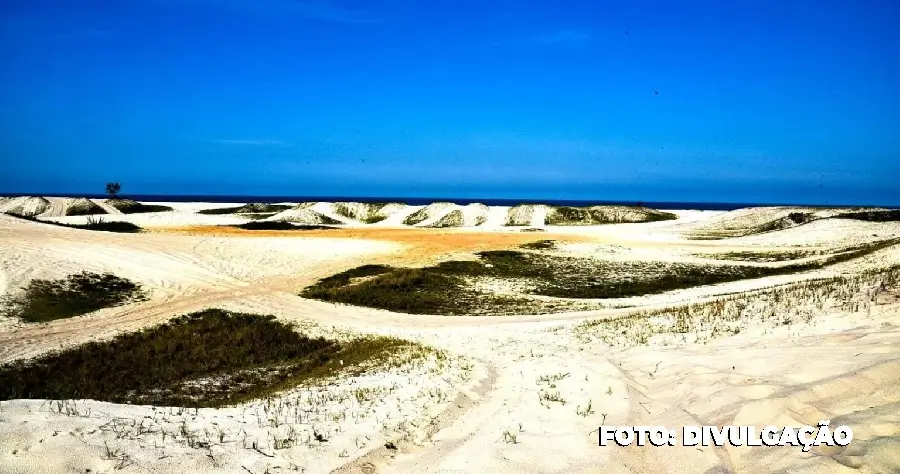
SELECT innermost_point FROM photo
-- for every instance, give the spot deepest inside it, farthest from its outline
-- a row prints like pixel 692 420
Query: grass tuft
pixel 77 294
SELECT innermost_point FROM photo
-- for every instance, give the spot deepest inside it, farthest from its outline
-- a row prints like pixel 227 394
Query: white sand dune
pixel 308 214
pixel 347 213
pixel 430 214
pixel 751 219
pixel 458 414
pixel 532 215
pixel 25 206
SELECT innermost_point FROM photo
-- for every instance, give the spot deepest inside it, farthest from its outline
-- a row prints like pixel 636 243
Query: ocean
pixel 703 206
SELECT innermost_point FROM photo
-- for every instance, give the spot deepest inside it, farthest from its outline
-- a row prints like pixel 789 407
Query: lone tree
pixel 113 188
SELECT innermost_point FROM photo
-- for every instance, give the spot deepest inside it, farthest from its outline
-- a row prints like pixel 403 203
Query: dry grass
pixel 702 322
pixel 81 293
pixel 204 359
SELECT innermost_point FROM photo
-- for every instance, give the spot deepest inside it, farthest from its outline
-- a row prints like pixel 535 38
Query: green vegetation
pixel 435 290
pixel 127 206
pixel 84 207
pixel 764 256
pixel 252 208
pixel 92 224
pixel 793 219
pixel 104 226
pixel 77 294
pixel 369 213
pixel 206 359
pixel 729 315
pixel 416 217
pixel 278 225
pixel 567 215
pixel 373 219
pixel 451 219
pixel 836 255
pixel 539 245
pixel 872 216
pixel 451 287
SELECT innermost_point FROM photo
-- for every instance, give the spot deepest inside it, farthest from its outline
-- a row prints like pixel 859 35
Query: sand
pixel 454 416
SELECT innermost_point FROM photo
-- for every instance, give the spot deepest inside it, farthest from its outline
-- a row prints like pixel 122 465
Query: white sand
pixel 450 415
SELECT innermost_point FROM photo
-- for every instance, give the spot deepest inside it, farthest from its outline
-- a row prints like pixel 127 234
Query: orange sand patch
pixel 422 246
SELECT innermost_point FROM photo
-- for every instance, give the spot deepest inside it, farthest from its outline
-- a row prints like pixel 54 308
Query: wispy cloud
pixel 263 142
pixel 317 10
pixel 564 37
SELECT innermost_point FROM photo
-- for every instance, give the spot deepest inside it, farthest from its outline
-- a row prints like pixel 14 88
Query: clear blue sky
pixel 759 101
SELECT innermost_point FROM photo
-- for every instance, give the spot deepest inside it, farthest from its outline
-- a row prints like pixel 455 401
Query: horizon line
pixel 456 200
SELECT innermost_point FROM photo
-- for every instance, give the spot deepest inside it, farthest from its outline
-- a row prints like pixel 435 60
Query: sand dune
pixel 305 213
pixel 533 215
pixel 594 215
pixel 760 220
pixel 25 206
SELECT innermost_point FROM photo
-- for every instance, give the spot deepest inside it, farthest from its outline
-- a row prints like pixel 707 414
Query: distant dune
pixel 25 206
pixel 347 213
pixel 759 220
pixel 304 214
pixel 604 215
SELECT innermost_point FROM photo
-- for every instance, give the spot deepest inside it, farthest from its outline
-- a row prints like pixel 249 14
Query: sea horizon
pixel 418 200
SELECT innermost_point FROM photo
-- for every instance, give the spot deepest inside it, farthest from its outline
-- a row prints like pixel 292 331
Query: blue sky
pixel 738 101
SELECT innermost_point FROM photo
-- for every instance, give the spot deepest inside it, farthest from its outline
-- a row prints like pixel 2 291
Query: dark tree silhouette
pixel 113 188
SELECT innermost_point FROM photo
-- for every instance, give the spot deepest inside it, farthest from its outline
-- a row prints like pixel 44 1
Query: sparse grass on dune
pixel 77 294
pixel 84 207
pixel 447 288
pixel 837 254
pixel 539 245
pixel 730 315
pixel 369 213
pixel 763 256
pixel 795 219
pixel 92 224
pixel 453 218
pixel 433 290
pixel 252 208
pixel 596 215
pixel 278 225
pixel 205 359
pixel 416 217
pixel 892 215
pixel 128 206
pixel 374 219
